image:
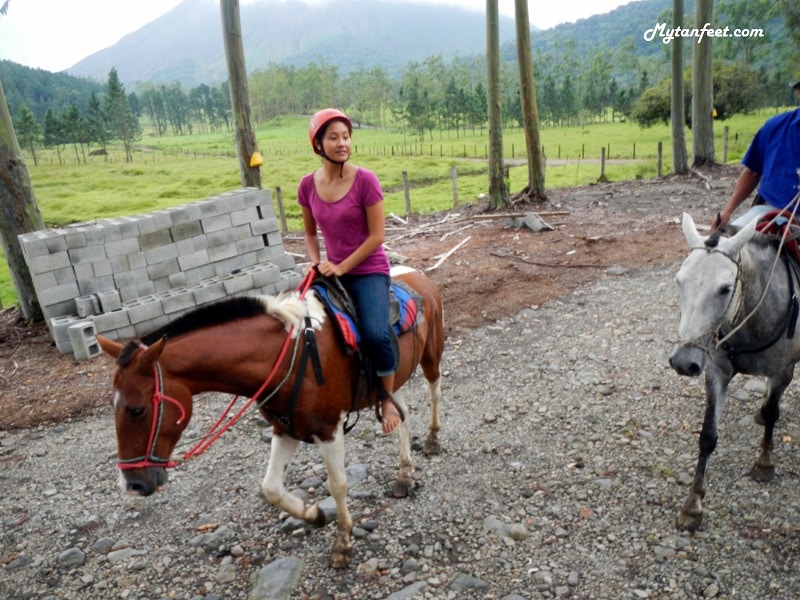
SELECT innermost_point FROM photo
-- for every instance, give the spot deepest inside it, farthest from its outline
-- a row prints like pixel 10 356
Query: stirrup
pixel 382 395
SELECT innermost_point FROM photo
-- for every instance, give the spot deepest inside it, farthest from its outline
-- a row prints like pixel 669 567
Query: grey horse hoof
pixel 759 418
pixel 762 474
pixel 687 522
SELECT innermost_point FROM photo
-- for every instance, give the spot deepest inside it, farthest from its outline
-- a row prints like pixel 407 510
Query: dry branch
pixel 445 256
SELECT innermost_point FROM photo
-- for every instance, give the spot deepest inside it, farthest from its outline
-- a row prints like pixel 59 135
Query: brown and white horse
pixel 255 347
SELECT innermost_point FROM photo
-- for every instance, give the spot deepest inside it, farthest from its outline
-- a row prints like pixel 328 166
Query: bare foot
pixel 391 418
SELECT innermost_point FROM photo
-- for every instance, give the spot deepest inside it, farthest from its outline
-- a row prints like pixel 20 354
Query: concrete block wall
pixel 127 276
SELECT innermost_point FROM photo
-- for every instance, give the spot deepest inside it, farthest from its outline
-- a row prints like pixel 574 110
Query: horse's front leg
pixel 767 415
pixel 431 446
pixel 690 515
pixel 282 450
pixel 333 455
pixel 401 487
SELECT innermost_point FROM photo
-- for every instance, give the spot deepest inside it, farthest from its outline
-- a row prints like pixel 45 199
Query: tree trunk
pixel 702 89
pixel 20 213
pixel 530 112
pixel 249 166
pixel 498 193
pixel 680 161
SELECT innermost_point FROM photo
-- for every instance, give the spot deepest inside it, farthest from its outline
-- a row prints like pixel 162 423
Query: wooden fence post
pixel 660 157
pixel 281 214
pixel 454 179
pixel 725 133
pixel 406 192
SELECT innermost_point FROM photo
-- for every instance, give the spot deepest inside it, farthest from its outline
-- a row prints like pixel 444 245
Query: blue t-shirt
pixel 775 155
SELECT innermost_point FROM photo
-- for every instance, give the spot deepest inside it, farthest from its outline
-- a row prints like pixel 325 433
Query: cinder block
pixel 251 244
pixel 101 268
pixel 263 274
pixel 142 309
pixel 223 267
pixel 59 327
pixel 132 277
pixel 245 216
pixel 179 299
pixel 185 230
pixel 164 268
pixel 221 238
pixel 122 247
pixel 96 284
pixel 237 283
pixel 86 306
pixel 215 223
pixel 111 321
pixel 83 338
pixel 209 290
pixel 109 300
pixel 59 293
pixel 194 260
pixel 161 253
pixel 75 239
pixel 155 239
pixel 51 262
pixel 55 242
pixel 218 253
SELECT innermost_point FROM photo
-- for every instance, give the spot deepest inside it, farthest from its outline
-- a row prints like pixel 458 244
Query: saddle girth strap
pixel 309 350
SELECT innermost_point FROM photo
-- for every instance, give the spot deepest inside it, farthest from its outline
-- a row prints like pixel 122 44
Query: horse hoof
pixel 762 474
pixel 759 418
pixel 340 560
pixel 431 448
pixel 687 522
pixel 401 489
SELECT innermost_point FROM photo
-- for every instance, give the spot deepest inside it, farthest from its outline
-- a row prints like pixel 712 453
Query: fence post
pixel 603 177
pixel 454 179
pixel 660 157
pixel 725 133
pixel 281 214
pixel 406 192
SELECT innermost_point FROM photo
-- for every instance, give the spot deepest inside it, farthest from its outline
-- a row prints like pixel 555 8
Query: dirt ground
pixel 485 267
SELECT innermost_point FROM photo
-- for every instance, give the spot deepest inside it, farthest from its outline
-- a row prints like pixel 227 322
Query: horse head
pixel 150 413
pixel 709 291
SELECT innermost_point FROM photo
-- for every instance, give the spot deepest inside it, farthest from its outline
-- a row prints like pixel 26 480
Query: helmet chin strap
pixel 335 162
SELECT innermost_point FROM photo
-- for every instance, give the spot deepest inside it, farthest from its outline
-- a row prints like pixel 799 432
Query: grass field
pixel 175 170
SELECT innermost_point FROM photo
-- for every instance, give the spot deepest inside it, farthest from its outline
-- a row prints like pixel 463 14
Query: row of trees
pixel 111 118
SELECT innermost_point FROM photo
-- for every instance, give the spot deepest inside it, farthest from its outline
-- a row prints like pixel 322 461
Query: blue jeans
pixel 370 294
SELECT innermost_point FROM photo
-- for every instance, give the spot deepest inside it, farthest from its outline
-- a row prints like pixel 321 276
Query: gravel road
pixel 568 444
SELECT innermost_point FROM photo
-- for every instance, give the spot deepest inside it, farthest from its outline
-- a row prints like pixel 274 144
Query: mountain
pixel 186 44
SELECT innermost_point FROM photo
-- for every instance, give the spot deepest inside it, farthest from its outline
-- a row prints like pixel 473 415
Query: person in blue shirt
pixel 771 166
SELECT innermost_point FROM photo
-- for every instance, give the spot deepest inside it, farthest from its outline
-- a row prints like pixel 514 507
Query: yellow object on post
pixel 256 160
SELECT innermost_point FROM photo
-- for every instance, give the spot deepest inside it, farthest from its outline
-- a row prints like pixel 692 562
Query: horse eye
pixel 136 412
pixel 725 290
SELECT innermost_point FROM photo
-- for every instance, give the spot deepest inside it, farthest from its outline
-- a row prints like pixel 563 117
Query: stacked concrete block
pixel 127 276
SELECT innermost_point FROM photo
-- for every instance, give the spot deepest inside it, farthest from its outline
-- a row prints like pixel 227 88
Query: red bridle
pixel 149 459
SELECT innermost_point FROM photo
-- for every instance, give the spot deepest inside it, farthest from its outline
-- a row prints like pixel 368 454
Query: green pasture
pixel 176 170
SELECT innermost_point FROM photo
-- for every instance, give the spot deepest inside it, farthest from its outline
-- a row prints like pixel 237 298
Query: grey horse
pixel 738 305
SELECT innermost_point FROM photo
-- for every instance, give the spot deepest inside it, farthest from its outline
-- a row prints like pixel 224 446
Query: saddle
pixel 777 222
pixel 404 305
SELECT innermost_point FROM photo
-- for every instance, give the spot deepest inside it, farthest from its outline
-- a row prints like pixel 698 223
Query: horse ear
pixel 694 239
pixel 152 353
pixel 110 347
pixel 731 246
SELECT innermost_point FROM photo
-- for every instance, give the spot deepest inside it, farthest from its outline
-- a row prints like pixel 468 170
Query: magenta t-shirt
pixel 343 222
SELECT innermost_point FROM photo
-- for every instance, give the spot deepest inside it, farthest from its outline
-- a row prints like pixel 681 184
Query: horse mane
pixel 285 307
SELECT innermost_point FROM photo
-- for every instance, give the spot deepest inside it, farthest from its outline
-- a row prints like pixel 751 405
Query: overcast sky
pixel 56 34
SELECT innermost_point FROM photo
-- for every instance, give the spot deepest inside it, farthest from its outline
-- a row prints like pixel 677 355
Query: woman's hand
pixel 330 269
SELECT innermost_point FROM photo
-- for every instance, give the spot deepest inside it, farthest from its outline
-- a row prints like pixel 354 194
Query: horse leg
pixel 431 446
pixel 402 485
pixel 690 515
pixel 281 453
pixel 767 415
pixel 333 455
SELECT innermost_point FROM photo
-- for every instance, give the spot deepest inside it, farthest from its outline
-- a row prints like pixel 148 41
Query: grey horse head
pixel 709 288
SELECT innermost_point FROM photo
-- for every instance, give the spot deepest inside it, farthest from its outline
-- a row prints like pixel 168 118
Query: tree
pixel 28 131
pixel 498 193
pixel 702 88
pixel 250 170
pixel 530 111
pixel 680 161
pixel 122 124
pixel 20 213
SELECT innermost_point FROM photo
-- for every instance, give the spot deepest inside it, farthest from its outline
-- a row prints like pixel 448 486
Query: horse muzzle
pixel 688 360
pixel 142 482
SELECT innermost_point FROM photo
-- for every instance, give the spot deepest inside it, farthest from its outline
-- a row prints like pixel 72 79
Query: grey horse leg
pixel 767 415
pixel 690 515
